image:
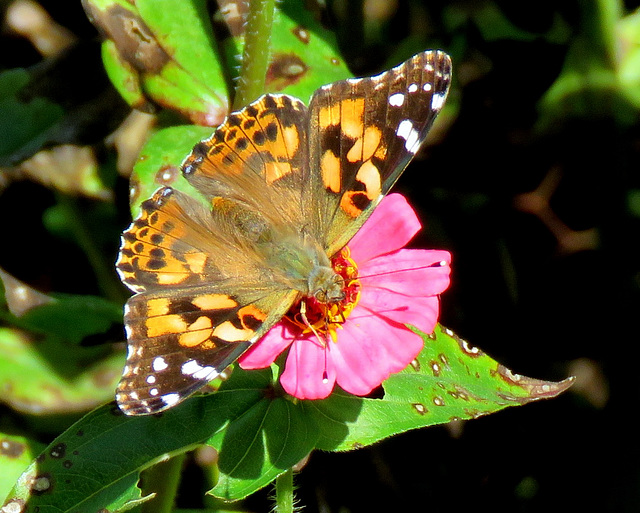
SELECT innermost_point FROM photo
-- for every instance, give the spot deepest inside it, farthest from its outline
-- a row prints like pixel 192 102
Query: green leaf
pixel 259 432
pixel 268 439
pixel 73 317
pixel 105 446
pixel 48 376
pixel 449 380
pixel 163 49
pixel 160 160
pixel 303 54
pixel 16 452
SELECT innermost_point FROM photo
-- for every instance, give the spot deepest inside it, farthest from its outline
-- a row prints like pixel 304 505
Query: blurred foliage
pixel 530 179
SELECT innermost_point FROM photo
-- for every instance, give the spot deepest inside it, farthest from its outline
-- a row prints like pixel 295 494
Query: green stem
pixel 255 55
pixel 284 492
pixel 163 480
pixel 103 270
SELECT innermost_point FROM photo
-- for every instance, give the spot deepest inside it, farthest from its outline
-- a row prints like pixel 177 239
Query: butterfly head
pixel 326 286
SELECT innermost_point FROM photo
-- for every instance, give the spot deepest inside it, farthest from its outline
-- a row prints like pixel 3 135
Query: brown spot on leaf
pixel 41 484
pixel 420 408
pixel 232 14
pixel 535 388
pixel 11 448
pixel 58 451
pixel 285 69
pixel 302 34
pixel 14 506
pixel 166 175
pixel 135 42
pixel 134 189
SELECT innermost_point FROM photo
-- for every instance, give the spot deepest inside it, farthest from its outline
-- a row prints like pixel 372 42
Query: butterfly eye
pixel 333 292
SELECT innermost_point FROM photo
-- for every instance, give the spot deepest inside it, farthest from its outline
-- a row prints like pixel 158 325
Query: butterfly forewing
pixel 363 133
pixel 256 158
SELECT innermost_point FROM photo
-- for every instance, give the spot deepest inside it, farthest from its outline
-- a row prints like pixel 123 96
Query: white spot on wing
pixel 413 88
pixel 159 364
pixel 396 99
pixel 153 391
pixel 151 379
pixel 170 399
pixel 197 371
pixel 409 134
pixel 426 86
pixel 437 100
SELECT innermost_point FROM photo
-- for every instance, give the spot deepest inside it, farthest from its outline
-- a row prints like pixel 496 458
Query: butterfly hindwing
pixel 178 344
pixel 363 132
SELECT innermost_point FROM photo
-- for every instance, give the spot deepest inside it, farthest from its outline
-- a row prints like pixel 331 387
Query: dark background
pixel 542 306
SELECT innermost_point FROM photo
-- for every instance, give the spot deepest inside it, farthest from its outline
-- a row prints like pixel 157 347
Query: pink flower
pixel 367 339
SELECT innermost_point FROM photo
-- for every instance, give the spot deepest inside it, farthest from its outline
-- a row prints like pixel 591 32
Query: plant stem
pixel 284 492
pixel 255 55
pixel 163 480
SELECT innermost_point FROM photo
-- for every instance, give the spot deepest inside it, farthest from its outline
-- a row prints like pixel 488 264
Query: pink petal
pixel 421 312
pixel 412 272
pixel 309 372
pixel 367 353
pixel 391 226
pixel 264 352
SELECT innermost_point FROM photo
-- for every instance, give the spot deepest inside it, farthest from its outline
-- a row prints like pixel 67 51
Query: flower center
pixel 310 315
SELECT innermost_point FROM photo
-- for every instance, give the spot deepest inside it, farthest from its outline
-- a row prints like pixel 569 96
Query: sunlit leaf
pixel 16 452
pixel 449 380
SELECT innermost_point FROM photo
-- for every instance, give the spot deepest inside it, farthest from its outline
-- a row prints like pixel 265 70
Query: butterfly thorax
pixel 301 262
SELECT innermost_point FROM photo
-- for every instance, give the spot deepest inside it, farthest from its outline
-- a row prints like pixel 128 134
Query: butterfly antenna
pixel 442 263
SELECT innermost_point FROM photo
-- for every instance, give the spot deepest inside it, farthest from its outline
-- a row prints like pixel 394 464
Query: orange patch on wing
pixel 159 326
pixel 229 333
pixel 251 311
pixel 172 278
pixel 214 302
pixel 369 175
pixel 328 116
pixel 196 261
pixel 198 332
pixel 365 146
pixel 348 205
pixel 381 152
pixel 291 139
pixel 275 170
pixel 158 306
pixel 330 168
pixel 352 117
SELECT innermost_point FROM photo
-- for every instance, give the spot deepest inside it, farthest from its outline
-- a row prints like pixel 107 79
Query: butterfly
pixel 286 187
